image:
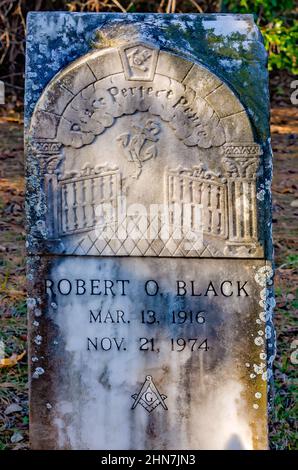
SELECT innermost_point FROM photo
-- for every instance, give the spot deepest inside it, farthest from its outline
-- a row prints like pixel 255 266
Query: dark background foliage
pixel 276 19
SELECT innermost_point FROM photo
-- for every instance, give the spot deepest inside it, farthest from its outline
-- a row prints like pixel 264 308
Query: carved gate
pixel 81 196
pixel 199 189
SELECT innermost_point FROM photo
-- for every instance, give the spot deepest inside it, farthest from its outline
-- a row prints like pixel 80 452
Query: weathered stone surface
pixel 149 171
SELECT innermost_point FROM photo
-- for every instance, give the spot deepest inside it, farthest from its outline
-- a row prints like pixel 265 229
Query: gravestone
pixel 149 243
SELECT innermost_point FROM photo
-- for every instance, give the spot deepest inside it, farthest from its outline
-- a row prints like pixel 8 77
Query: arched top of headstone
pixel 89 95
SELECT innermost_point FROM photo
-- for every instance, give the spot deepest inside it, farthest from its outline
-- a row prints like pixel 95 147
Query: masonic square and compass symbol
pixel 149 397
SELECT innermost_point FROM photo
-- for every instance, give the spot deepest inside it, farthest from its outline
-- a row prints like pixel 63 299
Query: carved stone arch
pixel 86 99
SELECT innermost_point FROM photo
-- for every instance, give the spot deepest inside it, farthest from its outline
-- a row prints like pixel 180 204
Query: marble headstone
pixel 149 238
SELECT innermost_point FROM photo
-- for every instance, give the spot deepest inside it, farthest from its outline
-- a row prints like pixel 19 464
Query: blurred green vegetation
pixel 277 20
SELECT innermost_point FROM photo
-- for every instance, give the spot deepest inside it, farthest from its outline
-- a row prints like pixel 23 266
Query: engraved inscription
pixel 97 107
pixel 139 62
pixel 138 325
pixel 137 59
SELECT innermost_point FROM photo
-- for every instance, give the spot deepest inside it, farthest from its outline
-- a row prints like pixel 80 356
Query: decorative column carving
pixel 49 154
pixel 241 162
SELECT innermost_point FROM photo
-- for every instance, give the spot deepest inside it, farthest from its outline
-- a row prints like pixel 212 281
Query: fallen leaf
pixel 12 360
pixel 13 408
pixel 16 437
pixel 7 385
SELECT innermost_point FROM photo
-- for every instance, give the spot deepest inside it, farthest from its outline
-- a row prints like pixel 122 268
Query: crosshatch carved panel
pixel 147 120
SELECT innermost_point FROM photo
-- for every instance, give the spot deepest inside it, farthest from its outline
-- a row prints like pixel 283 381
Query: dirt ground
pixel 13 381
